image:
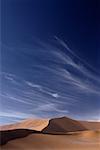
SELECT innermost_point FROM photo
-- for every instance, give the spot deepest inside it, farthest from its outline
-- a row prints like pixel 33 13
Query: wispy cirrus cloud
pixel 42 89
pixel 48 82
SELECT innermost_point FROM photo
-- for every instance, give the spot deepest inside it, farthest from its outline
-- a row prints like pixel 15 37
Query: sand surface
pixel 63 125
pixel 91 125
pixel 84 140
pixel 34 124
pixel 55 134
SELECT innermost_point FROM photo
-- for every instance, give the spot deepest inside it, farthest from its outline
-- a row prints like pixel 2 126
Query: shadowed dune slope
pixel 33 124
pixel 6 136
pixel 63 125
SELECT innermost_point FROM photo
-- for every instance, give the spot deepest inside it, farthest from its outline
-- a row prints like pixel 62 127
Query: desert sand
pixel 91 125
pixel 59 134
pixel 34 124
pixel 63 125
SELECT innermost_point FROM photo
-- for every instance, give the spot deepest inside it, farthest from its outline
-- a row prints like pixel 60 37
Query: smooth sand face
pixel 34 124
pixel 83 140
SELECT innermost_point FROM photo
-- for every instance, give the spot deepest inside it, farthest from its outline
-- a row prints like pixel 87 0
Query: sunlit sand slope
pixel 34 124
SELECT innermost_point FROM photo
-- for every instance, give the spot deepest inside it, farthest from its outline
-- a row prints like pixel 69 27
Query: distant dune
pixel 91 125
pixel 55 134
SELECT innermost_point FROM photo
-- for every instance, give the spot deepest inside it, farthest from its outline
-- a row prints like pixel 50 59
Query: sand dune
pixel 55 134
pixel 63 125
pixel 34 124
pixel 91 125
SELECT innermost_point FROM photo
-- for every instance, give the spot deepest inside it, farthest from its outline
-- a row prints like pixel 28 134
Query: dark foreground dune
pixel 6 136
pixel 60 134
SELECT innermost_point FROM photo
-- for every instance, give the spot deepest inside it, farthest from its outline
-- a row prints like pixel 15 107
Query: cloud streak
pixel 48 82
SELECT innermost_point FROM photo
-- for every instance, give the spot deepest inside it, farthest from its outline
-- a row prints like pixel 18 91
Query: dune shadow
pixel 6 136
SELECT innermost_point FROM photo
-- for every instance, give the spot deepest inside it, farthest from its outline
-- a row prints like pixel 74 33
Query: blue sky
pixel 50 60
